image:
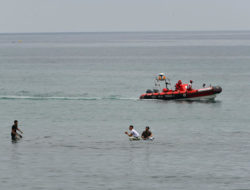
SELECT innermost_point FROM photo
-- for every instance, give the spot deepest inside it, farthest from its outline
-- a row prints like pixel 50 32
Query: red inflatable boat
pixel 181 92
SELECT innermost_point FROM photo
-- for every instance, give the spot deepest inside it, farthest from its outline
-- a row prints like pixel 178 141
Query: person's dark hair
pixel 15 121
pixel 131 126
pixel 147 127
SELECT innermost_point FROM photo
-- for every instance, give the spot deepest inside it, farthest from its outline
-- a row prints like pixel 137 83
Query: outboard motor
pixel 149 91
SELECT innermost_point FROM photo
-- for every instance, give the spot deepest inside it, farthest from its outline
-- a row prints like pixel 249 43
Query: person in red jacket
pixel 178 85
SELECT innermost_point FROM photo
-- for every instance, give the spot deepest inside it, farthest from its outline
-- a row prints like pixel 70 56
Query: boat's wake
pixel 63 98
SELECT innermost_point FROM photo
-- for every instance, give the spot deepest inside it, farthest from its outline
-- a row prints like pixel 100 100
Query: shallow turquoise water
pixel 75 95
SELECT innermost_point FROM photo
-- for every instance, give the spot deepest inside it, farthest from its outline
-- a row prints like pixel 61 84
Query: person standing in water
pixel 147 134
pixel 14 134
pixel 133 133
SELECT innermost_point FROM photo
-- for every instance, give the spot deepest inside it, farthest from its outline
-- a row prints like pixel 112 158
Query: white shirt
pixel 134 133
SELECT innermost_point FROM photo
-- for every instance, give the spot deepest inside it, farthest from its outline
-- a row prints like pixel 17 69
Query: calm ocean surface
pixel 75 95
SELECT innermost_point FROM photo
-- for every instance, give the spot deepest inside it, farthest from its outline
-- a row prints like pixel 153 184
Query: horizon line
pixel 141 31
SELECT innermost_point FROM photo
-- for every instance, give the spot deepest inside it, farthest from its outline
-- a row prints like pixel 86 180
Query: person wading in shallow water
pixel 133 133
pixel 14 134
pixel 147 134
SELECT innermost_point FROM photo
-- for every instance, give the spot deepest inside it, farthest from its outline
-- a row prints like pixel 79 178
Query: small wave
pixel 62 98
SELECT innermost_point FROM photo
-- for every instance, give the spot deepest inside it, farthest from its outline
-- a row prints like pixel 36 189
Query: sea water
pixel 75 94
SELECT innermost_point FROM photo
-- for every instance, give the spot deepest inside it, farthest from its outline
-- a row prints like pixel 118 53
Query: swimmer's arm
pixel 19 130
pixel 151 135
pixel 128 134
